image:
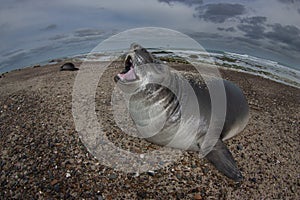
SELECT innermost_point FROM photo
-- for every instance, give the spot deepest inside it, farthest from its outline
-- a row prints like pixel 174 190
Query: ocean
pixel 239 62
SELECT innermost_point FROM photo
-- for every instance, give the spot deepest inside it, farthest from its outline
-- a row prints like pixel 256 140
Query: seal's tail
pixel 222 159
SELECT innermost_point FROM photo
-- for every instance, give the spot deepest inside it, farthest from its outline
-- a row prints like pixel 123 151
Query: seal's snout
pixel 128 74
pixel 137 56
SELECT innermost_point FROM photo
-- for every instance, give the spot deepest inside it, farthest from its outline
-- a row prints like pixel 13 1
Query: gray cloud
pixel 289 35
pixel 288 1
pixel 80 35
pixel 4 26
pixel 74 40
pixel 58 37
pixel 216 13
pixel 187 2
pixel 249 41
pixel 230 29
pixel 252 31
pixel 219 13
pixel 253 27
pixel 203 35
pixel 277 52
pixel 50 27
pixel 5 29
pixel 88 32
pixel 254 20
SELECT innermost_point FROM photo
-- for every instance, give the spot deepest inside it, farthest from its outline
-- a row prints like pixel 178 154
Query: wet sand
pixel 42 156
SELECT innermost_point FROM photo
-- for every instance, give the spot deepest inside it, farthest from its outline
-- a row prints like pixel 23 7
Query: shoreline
pixel 219 67
pixel 43 157
pixel 224 60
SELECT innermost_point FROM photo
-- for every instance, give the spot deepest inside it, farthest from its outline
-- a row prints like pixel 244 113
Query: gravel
pixel 43 157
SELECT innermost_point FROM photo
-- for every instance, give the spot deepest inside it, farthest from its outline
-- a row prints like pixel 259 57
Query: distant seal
pixel 161 107
pixel 68 67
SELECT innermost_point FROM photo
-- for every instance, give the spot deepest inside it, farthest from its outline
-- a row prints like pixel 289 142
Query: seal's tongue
pixel 128 76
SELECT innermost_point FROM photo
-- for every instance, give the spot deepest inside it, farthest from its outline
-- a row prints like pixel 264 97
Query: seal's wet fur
pixel 157 110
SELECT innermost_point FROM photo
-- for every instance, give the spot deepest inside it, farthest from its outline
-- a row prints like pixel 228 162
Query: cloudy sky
pixel 32 31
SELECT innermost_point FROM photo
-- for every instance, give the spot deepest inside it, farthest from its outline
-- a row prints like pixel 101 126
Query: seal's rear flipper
pixel 222 159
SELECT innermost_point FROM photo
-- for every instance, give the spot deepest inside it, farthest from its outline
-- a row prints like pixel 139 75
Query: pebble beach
pixel 42 156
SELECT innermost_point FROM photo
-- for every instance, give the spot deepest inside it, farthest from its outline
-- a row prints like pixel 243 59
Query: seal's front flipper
pixel 222 159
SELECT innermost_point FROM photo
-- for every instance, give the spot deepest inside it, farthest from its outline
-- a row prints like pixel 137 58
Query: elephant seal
pixel 68 67
pixel 170 111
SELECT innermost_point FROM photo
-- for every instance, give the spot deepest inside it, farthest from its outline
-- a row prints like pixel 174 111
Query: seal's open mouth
pixel 128 74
